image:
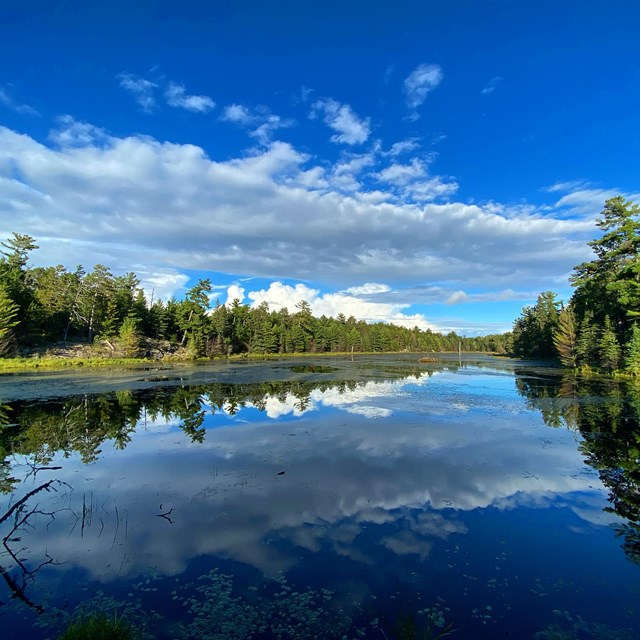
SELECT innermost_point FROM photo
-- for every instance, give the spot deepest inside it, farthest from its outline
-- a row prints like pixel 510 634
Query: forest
pixel 597 329
pixel 45 306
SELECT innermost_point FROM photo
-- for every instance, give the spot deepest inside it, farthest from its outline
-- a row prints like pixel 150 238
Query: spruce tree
pixel 608 348
pixel 129 338
pixel 587 342
pixel 8 320
pixel 565 338
pixel 632 352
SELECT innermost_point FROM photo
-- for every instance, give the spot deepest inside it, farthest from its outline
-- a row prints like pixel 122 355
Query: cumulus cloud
pixel 413 182
pixel 349 303
pixel 141 89
pixel 72 133
pixel 422 80
pixel 176 96
pixel 349 128
pixel 234 292
pixel 14 105
pixel 272 213
pixel 237 113
pixel 161 285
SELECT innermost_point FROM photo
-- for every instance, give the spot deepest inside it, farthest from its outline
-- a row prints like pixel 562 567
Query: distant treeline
pixel 599 327
pixel 46 305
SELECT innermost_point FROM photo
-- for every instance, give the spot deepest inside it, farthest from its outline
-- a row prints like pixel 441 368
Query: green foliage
pixel 632 352
pixel 128 338
pixel 8 320
pixel 534 330
pixel 98 627
pixel 598 325
pixel 610 437
pixel 218 612
pixel 587 341
pixel 564 337
pixel 45 305
pixel 608 348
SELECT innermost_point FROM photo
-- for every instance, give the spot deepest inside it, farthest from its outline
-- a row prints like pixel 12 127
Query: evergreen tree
pixel 632 352
pixel 564 337
pixel 609 285
pixel 192 317
pixel 608 348
pixel 129 338
pixel 533 331
pixel 13 278
pixel 8 321
pixel 587 342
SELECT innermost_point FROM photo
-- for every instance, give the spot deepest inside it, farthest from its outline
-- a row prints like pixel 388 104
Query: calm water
pixel 322 498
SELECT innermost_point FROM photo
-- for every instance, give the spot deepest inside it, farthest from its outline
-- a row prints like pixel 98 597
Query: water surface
pixel 322 498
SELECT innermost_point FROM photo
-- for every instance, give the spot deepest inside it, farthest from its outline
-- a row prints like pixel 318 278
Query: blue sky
pixel 429 163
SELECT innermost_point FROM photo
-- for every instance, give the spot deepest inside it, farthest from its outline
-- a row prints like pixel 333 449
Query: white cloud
pixel 368 288
pixel 457 297
pixel 413 181
pixel 571 185
pixel 272 213
pixel 237 113
pixel 283 296
pixel 423 79
pixel 341 118
pixel 404 146
pixel 72 133
pixel 490 87
pixel 348 169
pixel 262 123
pixel 161 285
pixel 588 202
pixel 279 296
pixel 234 292
pixel 18 107
pixel 402 174
pixel 176 96
pixel 141 89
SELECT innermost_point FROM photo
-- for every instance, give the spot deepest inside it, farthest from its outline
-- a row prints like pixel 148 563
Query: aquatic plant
pixel 569 627
pixel 99 627
pixel 408 627
pixel 218 613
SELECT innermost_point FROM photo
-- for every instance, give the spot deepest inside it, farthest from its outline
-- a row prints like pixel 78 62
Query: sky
pixel 427 163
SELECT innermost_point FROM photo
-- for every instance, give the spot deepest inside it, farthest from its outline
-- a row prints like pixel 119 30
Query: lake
pixel 365 497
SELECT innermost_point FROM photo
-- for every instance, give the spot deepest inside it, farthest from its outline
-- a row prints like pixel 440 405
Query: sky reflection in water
pixel 441 485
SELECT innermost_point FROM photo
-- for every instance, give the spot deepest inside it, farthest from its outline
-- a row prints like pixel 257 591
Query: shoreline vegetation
pixel 62 362
pixel 597 332
pixel 51 311
pixel 51 317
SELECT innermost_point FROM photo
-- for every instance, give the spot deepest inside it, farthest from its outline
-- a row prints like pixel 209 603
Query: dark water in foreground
pixel 322 499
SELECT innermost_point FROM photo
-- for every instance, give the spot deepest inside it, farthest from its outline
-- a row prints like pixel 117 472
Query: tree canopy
pixel 44 305
pixel 598 327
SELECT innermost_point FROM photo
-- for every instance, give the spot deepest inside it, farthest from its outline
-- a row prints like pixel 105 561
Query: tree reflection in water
pixel 606 413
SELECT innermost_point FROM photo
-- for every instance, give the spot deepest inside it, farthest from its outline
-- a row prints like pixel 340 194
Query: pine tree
pixel 608 348
pixel 564 338
pixel 587 342
pixel 632 352
pixel 8 320
pixel 128 338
